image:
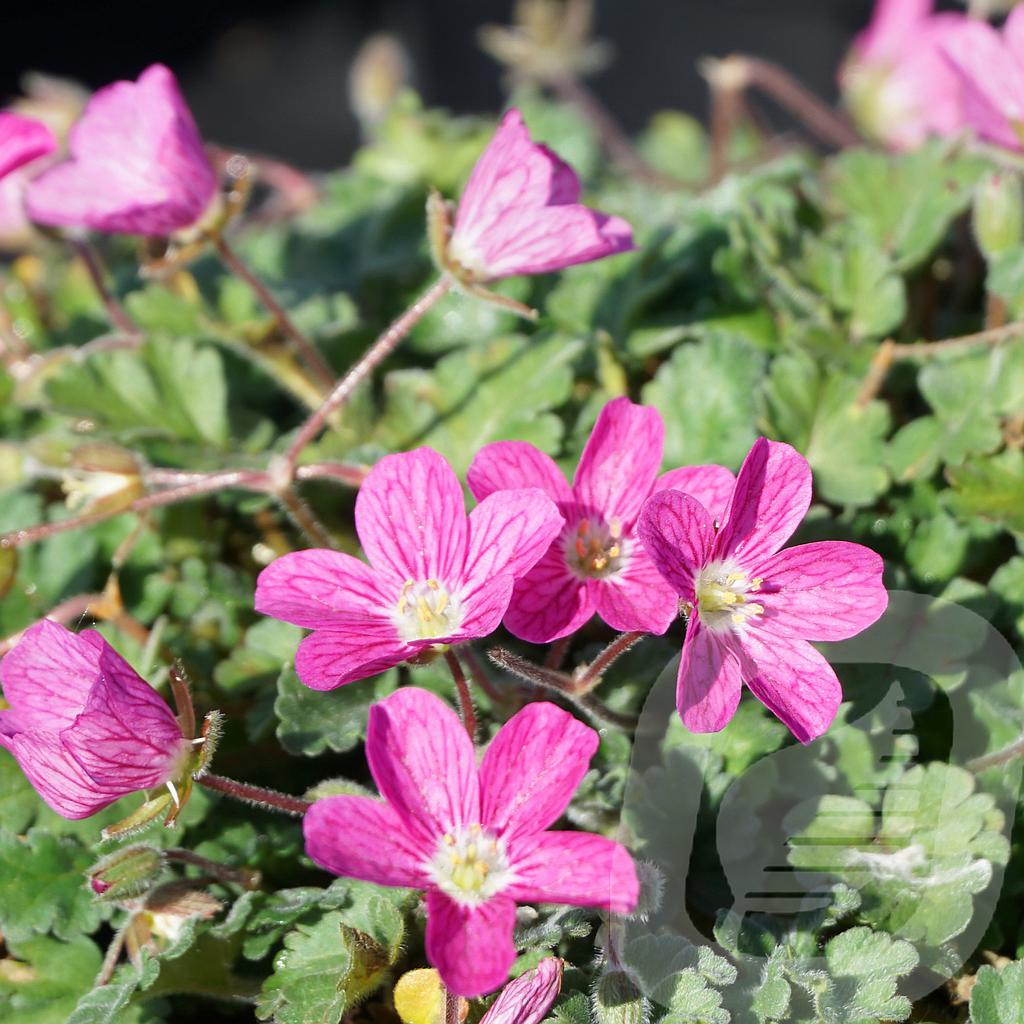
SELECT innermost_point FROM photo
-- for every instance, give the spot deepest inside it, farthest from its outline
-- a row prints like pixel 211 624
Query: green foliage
pixel 998 995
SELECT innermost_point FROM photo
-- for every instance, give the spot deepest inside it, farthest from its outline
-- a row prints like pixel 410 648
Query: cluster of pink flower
pixel 914 73
pixel 536 553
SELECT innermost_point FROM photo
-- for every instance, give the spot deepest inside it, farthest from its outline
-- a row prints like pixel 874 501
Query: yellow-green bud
pixel 999 213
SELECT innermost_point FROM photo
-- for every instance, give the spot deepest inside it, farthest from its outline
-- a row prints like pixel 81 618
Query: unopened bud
pixel 379 73
pixel 102 478
pixel 999 213
pixel 126 873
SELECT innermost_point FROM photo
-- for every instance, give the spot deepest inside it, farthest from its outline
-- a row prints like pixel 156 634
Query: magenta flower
pixel 990 67
pixel 520 213
pixel 475 838
pixel 436 577
pixel 597 563
pixel 755 607
pixel 137 164
pixel 527 999
pixel 896 80
pixel 85 728
pixel 22 140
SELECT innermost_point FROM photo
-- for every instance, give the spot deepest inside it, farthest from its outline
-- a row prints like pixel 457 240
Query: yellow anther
pixel 476 830
pixel 614 551
pixel 456 859
pixel 483 868
pixel 615 529
pixel 433 584
pixel 448 839
pixel 442 603
pixel 471 851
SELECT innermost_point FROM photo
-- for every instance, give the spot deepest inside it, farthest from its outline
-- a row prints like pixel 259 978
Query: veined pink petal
pixel 620 461
pixel 829 590
pixel 710 485
pixel 531 241
pixel 710 681
pixel 48 675
pixel 357 837
pixel 508 533
pixel 137 163
pixel 792 680
pixel 549 601
pixel 637 598
pixel 677 532
pixel 471 947
pixel 485 602
pixel 411 518
pixel 532 768
pixel 527 999
pixel 771 498
pixel 56 776
pixel 578 868
pixel 21 141
pixel 423 763
pixel 308 588
pixel 512 172
pixel 126 737
pixel 330 658
pixel 510 465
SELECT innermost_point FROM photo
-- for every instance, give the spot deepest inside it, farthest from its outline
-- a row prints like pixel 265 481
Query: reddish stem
pixel 269 799
pixel 462 690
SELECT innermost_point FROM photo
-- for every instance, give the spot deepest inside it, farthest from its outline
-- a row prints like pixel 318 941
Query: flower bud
pixel 102 478
pixel 998 214
pixel 379 74
pixel 126 873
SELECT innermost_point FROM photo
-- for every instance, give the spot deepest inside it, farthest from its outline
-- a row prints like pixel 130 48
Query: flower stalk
pixel 258 796
pixel 466 710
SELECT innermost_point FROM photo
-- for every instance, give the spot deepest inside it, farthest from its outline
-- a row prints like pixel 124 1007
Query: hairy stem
pixel 305 349
pixel 998 757
pixel 371 359
pixel 466 709
pixel 97 274
pixel 302 515
pixel 268 799
pixel 245 877
pixel 587 677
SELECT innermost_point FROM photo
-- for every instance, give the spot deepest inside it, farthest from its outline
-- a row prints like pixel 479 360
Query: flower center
pixel 426 610
pixel 595 550
pixel 470 865
pixel 723 596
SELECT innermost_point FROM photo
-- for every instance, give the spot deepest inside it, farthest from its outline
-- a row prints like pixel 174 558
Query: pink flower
pixel 137 164
pixel 527 999
pixel 85 728
pixel 436 577
pixel 520 213
pixel 990 67
pixel 596 564
pixel 755 607
pixel 22 140
pixel 896 80
pixel 473 837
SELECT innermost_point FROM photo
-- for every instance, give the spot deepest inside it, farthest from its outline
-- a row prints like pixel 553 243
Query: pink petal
pixel 508 533
pixel 527 999
pixel 577 868
pixel 711 485
pixel 48 675
pixel 423 763
pixel 56 776
pixel 549 601
pixel 792 680
pixel 710 681
pixel 308 588
pixel 532 768
pixel 677 533
pixel 330 658
pixel 830 590
pixel 528 241
pixel 411 518
pixel 513 172
pixel 126 738
pixel 637 598
pixel 357 837
pixel 620 461
pixel 137 164
pixel 510 465
pixel 471 947
pixel 893 25
pixel 772 495
pixel 485 602
pixel 1013 34
pixel 21 141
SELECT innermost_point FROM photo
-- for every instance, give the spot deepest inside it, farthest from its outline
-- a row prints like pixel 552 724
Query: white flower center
pixel 595 549
pixel 470 865
pixel 723 596
pixel 426 610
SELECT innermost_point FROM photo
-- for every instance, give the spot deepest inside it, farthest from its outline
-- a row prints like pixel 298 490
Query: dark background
pixel 271 75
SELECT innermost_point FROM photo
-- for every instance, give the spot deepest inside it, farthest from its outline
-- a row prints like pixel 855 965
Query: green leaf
pixel 992 488
pixel 42 979
pixel 998 996
pixel 865 968
pixel 704 394
pixel 818 413
pixel 42 886
pixel 308 985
